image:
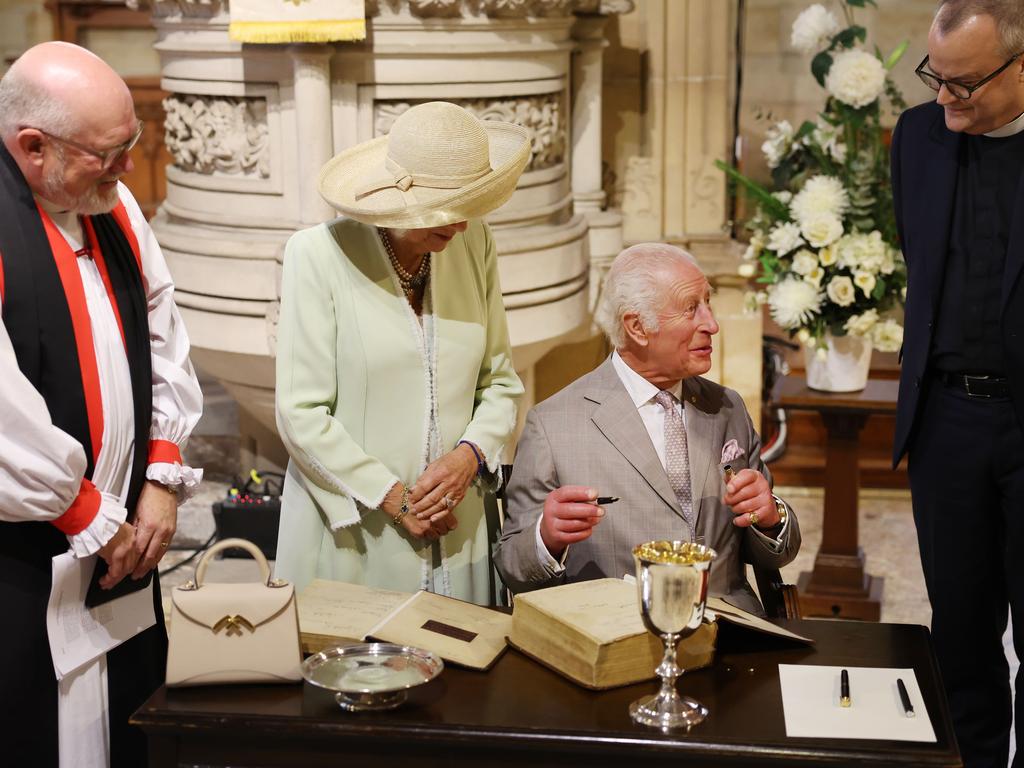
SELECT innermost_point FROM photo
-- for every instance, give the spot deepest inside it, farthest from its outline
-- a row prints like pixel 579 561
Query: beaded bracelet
pixel 481 468
pixel 403 509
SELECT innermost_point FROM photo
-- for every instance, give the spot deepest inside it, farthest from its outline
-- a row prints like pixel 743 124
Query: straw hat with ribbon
pixel 439 165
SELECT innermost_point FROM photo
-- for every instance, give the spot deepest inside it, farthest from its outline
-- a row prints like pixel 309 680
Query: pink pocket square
pixel 731 451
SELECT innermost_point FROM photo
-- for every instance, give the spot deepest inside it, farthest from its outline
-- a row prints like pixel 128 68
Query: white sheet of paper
pixel 78 634
pixel 810 701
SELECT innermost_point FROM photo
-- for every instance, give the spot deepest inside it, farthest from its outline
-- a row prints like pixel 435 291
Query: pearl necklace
pixel 410 282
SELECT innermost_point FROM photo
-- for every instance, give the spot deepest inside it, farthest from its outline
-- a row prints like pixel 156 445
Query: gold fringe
pixel 297 31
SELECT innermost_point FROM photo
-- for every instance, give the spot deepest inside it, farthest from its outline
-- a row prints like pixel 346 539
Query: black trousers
pixel 966 473
pixel 28 688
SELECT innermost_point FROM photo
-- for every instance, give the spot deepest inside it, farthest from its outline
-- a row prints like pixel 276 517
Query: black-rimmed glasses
pixel 108 157
pixel 957 90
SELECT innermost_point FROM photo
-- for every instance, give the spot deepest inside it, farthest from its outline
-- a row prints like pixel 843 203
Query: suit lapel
pixel 1014 246
pixel 617 418
pixel 935 209
pixel 702 437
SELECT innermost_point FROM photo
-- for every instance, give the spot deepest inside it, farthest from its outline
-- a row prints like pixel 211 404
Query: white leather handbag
pixel 233 633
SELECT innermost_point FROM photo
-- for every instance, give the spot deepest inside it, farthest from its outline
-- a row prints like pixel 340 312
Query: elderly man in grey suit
pixel 645 427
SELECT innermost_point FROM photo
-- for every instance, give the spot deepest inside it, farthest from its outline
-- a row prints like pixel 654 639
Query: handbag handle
pixel 220 546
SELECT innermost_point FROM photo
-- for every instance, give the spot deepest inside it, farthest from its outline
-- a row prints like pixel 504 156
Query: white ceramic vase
pixel 844 366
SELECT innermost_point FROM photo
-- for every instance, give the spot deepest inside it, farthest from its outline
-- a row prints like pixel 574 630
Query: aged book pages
pixel 334 613
pixel 727 612
pixel 592 633
pixel 464 633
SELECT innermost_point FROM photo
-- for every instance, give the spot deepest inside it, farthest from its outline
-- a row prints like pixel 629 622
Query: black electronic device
pixel 251 511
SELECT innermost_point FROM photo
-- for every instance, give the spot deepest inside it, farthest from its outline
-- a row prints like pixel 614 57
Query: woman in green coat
pixel 396 391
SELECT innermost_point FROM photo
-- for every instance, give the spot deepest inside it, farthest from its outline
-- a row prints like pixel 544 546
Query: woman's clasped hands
pixel 432 499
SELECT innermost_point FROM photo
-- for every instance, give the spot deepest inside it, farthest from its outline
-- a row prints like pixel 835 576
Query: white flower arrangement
pixel 813 28
pixel 823 240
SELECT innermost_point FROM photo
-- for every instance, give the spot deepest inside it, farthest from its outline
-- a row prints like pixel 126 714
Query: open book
pixel 592 633
pixel 334 612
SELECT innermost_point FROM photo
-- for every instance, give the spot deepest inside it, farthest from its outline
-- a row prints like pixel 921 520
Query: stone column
pixel 311 67
pixel 673 191
pixel 587 168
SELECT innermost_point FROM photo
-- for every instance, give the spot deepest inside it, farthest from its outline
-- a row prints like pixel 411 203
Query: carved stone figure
pixel 222 134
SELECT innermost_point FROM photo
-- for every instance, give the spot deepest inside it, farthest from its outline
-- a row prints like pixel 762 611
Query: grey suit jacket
pixel 591 434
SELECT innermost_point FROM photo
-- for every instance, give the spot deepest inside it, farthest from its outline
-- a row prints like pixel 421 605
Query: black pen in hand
pixel 602 500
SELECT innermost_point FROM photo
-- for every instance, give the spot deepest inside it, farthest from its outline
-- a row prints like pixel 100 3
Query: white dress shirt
pixel 642 393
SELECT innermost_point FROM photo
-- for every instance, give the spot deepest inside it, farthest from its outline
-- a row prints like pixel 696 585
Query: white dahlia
pixel 820 194
pixel 855 78
pixel 813 29
pixel 793 302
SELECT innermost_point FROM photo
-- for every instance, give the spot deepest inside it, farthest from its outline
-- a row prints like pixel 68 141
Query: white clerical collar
pixel 640 390
pixel 1012 128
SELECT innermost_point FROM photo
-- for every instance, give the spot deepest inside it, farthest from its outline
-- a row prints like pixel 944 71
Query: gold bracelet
pixel 403 508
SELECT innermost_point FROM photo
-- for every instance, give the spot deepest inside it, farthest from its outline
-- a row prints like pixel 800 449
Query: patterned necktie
pixel 677 457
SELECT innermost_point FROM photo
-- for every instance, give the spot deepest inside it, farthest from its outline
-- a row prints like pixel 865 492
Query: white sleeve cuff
pixel 774 544
pixel 181 479
pixel 108 519
pixel 545 557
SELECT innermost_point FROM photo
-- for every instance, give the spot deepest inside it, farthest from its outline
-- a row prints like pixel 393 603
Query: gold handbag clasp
pixel 234 625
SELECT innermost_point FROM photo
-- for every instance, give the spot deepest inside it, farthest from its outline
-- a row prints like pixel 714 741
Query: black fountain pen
pixel 908 708
pixel 602 500
pixel 844 689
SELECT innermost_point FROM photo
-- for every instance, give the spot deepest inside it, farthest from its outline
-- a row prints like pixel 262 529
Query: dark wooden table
pixel 520 713
pixel 839 585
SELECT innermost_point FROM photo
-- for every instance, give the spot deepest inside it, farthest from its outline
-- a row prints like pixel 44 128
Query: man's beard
pixel 89 203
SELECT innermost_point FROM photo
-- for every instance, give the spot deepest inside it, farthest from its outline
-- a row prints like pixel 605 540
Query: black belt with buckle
pixel 976 386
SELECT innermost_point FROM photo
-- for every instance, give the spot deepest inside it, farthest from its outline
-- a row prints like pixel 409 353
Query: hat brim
pixel 341 176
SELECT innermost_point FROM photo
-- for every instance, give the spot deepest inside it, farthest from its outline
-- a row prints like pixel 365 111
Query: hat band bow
pixel 403 180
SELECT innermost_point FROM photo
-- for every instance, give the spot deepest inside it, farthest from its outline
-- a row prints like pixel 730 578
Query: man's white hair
pixel 636 284
pixel 24 105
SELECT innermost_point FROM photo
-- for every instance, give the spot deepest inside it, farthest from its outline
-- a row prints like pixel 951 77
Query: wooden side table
pixel 838 586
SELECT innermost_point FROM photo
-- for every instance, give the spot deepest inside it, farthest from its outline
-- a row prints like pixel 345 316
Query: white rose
pixel 820 194
pixel 865 281
pixel 856 78
pixel 803 336
pixel 861 325
pixel 747 269
pixel 840 290
pixel 821 229
pixel 864 252
pixel 815 276
pixel 813 29
pixel 785 238
pixel 793 302
pixel 804 262
pixel 887 336
pixel 778 143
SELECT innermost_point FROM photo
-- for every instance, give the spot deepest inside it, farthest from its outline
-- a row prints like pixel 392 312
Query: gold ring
pixel 448 501
pixel 163 543
pixel 753 518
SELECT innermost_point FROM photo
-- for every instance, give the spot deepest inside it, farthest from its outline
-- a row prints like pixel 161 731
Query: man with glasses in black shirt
pixel 957 170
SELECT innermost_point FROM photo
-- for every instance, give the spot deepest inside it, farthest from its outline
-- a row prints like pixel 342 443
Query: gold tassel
pixel 297 31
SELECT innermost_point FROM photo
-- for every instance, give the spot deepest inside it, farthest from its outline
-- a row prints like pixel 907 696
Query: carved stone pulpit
pixel 249 126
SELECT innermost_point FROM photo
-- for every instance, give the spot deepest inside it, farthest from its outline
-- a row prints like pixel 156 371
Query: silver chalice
pixel 672 580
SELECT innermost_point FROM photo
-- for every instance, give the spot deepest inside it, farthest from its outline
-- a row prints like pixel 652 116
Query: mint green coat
pixel 354 405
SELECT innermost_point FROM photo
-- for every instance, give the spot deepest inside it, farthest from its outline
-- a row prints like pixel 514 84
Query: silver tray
pixel 371 676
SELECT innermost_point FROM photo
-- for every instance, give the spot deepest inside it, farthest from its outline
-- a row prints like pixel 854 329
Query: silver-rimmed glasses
pixel 107 157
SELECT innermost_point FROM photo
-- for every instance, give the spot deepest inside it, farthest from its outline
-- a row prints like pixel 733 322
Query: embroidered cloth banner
pixel 297 21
